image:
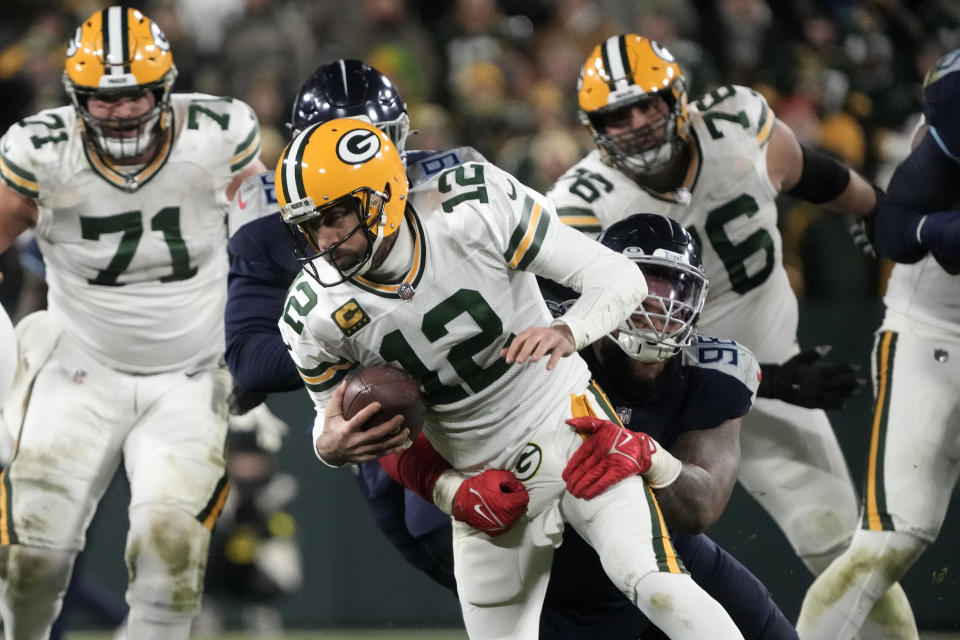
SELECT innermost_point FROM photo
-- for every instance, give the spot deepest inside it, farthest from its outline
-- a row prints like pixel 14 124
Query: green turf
pixel 339 634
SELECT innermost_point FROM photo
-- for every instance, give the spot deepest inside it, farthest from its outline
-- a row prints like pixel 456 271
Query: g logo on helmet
pixel 159 38
pixel 357 146
pixel 74 44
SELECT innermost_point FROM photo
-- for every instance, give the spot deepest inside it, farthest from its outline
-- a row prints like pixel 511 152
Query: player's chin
pixel 344 262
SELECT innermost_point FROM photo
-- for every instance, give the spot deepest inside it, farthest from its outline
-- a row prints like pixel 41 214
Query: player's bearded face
pixel 340 236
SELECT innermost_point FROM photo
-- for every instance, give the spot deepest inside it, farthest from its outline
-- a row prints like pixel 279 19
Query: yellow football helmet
pixel 623 72
pixel 341 165
pixel 117 52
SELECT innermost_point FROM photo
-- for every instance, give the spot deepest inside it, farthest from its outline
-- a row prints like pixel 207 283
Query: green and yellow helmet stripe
pixel 289 178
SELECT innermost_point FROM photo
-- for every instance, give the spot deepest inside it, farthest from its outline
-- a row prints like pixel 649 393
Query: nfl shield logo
pixel 624 413
pixel 405 291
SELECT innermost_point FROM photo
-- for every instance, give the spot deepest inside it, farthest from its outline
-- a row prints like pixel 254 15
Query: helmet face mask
pixel 353 169
pixel 351 89
pixel 666 320
pixel 630 72
pixel 119 53
pixel 364 207
pixel 677 286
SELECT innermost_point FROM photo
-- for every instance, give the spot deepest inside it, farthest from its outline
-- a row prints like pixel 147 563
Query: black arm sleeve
pixel 823 178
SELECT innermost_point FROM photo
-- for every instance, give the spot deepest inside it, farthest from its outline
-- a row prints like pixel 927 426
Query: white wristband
pixel 664 469
pixel 445 490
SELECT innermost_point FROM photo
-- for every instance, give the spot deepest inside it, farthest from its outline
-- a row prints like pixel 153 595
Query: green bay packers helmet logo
pixel 357 146
pixel 528 462
pixel 159 38
pixel 350 317
pixel 74 44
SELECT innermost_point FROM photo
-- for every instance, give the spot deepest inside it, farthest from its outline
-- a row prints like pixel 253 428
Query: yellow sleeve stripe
pixel 767 120
pixel 246 154
pixel 19 180
pixel 327 374
pixel 530 242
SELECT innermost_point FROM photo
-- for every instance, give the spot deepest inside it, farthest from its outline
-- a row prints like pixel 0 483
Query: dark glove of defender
pixel 863 234
pixel 241 401
pixel 807 380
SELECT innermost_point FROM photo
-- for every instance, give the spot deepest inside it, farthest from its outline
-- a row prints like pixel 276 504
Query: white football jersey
pixel 137 267
pixel 925 293
pixel 479 237
pixel 727 204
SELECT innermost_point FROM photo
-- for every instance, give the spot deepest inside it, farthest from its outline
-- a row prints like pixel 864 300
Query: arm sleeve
pixel 611 286
pixel 256 354
pixel 916 215
pixel 416 468
pixel 530 236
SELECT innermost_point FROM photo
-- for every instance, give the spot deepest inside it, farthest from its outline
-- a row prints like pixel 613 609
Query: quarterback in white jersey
pixel 439 280
pixel 716 166
pixel 128 190
pixel 912 460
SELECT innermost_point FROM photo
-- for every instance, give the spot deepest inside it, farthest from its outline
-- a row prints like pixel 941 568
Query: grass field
pixel 343 634
pixel 391 634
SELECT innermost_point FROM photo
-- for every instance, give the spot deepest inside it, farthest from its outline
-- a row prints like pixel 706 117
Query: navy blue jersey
pixel 707 383
pixel 924 183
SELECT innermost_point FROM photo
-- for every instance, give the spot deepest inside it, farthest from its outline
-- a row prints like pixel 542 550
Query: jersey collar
pixel 683 193
pixel 406 285
pixel 129 182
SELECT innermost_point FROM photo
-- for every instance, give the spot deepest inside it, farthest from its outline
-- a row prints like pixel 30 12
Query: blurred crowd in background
pixel 501 75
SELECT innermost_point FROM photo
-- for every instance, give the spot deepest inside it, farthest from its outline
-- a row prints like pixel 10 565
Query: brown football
pixel 396 391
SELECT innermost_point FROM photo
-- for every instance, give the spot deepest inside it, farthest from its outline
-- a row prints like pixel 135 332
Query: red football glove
pixel 609 454
pixel 491 502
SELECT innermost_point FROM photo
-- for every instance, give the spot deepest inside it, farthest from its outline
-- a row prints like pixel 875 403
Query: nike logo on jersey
pixel 243 205
pixel 484 511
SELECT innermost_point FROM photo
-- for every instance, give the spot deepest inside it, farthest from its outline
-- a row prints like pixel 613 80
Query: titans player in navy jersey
pixel 683 395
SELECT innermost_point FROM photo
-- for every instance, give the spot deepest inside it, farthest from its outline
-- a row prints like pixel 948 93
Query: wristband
pixel 664 469
pixel 445 490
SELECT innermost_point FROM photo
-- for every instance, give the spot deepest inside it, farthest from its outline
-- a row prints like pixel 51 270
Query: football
pixel 396 391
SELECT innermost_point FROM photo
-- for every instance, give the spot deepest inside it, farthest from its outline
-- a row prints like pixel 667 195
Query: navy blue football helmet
pixel 677 285
pixel 351 89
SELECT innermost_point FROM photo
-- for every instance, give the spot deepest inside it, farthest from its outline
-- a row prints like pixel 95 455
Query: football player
pixel 440 280
pixel 912 462
pixel 716 165
pixel 127 188
pixel 262 267
pixel 677 390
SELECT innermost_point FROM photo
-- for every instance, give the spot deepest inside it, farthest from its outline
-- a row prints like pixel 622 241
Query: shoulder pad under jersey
pixel 423 164
pixel 255 199
pixel 726 356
